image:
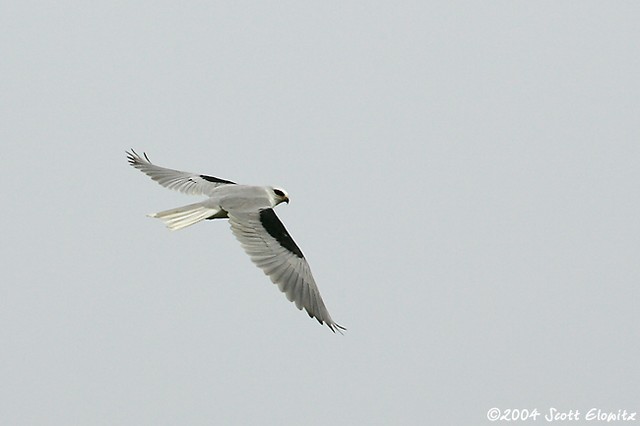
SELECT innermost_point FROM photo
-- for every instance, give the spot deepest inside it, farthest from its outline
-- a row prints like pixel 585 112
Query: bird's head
pixel 279 195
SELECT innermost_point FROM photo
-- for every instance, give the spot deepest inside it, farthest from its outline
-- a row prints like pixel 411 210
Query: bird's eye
pixel 278 193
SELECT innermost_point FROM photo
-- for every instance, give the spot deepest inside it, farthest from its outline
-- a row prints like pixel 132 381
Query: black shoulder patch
pixel 215 179
pixel 276 229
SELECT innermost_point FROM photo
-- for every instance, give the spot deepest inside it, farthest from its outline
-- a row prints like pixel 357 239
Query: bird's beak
pixel 286 200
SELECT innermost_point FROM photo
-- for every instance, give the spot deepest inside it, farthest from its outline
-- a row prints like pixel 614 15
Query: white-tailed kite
pixel 253 222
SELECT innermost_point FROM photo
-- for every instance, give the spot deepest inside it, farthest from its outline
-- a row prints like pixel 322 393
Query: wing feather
pixel 186 182
pixel 282 262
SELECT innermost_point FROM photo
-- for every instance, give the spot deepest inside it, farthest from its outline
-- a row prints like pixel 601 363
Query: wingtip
pixel 135 158
pixel 338 327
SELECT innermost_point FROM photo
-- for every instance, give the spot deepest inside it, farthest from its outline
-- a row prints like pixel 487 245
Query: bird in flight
pixel 253 222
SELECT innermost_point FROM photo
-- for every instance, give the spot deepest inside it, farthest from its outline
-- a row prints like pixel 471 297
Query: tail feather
pixel 184 216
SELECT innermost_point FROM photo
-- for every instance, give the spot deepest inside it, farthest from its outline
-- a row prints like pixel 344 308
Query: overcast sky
pixel 464 182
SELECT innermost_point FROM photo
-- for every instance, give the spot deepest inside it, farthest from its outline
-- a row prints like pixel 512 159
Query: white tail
pixel 184 216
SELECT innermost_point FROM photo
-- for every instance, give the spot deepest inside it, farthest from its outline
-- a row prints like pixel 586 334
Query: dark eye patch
pixel 278 193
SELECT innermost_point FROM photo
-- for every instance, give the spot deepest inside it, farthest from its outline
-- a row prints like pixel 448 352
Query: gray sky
pixel 464 182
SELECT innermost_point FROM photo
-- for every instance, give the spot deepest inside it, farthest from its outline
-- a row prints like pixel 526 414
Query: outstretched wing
pixel 189 183
pixel 271 248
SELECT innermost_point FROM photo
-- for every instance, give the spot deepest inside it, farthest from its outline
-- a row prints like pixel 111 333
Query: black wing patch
pixel 215 179
pixel 276 229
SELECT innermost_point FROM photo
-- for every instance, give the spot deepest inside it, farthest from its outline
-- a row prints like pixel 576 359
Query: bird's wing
pixel 270 247
pixel 189 183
